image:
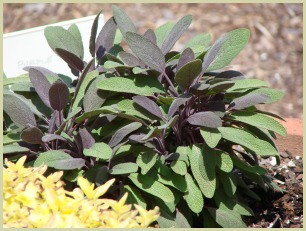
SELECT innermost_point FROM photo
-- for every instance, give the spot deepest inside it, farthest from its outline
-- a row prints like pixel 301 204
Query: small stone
pixel 273 161
pixel 288 222
pixel 284 154
pixel 297 157
pixel 291 164
pixel 298 170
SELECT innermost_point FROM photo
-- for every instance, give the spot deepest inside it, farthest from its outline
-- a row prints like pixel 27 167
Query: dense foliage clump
pixel 173 130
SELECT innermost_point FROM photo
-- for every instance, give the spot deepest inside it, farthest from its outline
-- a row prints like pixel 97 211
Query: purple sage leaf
pixel 50 137
pixel 69 164
pixel 32 135
pixel 123 132
pixel 58 95
pixel 177 103
pixel 149 34
pixel 41 85
pixel 70 58
pixel 186 56
pixel 87 140
pixel 130 59
pixel 93 35
pixel 248 101
pixel 205 119
pixel 148 105
pixel 105 39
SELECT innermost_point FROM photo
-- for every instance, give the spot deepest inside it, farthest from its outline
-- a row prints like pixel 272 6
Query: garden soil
pixel 273 54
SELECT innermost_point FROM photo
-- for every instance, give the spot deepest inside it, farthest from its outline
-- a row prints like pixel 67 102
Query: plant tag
pixel 30 48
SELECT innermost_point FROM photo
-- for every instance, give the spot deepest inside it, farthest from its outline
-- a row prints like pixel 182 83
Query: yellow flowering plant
pixel 31 200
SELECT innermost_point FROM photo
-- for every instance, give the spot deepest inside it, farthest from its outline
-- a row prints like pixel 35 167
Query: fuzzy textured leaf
pixel 179 167
pixel 41 85
pixel 50 157
pixel 176 32
pixel 19 112
pixel 134 196
pixel 146 51
pixel 211 136
pixel 224 161
pixel 146 160
pixel 186 57
pixel 139 85
pixel 99 150
pixel 124 168
pixel 69 164
pixel 225 49
pixel 248 101
pixel 75 32
pixel 123 21
pixel 201 40
pixel 148 105
pixel 58 37
pixel 58 95
pixel 162 32
pixel 248 140
pixel 193 196
pixel 226 218
pixel 14 148
pixel 259 120
pixel 70 58
pixel 106 37
pixel 205 119
pixel 123 132
pixel 149 34
pixel 177 103
pixel 245 84
pixel 152 187
pixel 187 73
pixel 32 135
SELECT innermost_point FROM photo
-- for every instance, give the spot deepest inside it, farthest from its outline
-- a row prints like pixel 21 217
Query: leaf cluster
pixel 176 129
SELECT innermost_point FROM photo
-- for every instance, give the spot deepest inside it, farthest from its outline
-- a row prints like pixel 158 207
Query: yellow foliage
pixel 31 200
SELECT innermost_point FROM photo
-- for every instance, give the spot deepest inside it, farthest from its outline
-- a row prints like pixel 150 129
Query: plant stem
pixel 170 83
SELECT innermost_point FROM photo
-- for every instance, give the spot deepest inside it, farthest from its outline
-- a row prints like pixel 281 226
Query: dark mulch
pixel 281 209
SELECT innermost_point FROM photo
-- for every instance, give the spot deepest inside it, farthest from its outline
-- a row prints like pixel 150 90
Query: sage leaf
pixel 50 137
pixel 58 95
pixel 176 32
pixel 58 37
pixel 179 167
pixel 130 59
pixel 75 32
pixel 188 73
pixel 105 39
pixel 86 137
pixel 149 34
pixel 248 101
pixel 148 105
pixel 41 85
pixel 14 148
pixel 146 160
pixel 93 35
pixel 69 164
pixel 162 32
pixel 18 111
pixel 146 51
pixel 182 99
pixel 273 94
pixel 201 40
pixel 123 132
pixel 225 49
pixel 205 119
pixel 259 120
pixel 151 186
pixel 134 196
pixel 99 150
pixel 248 140
pixel 123 168
pixel 224 161
pixel 229 183
pixel 50 157
pixel 211 136
pixel 139 86
pixel 186 57
pixel 245 84
pixel 193 196
pixel 81 92
pixel 70 58
pixel 94 97
pixel 123 21
pixel 226 218
pixel 32 135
